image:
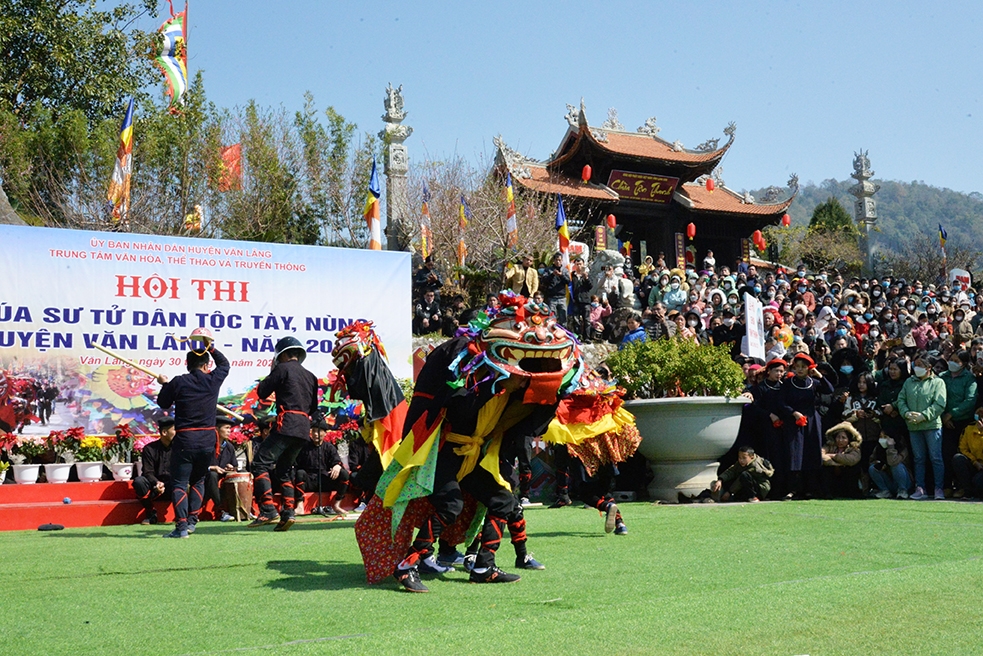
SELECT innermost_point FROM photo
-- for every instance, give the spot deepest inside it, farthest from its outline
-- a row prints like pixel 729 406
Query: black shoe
pixel 284 524
pixel 528 562
pixel 410 580
pixel 562 500
pixel 263 520
pixel 493 575
pixel 150 518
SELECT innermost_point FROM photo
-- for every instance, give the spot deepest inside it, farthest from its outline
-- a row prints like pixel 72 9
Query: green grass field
pixel 819 577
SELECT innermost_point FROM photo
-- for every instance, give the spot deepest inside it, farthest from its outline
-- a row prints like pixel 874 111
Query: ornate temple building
pixel 654 188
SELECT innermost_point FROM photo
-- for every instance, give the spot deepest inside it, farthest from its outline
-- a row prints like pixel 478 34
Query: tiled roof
pixel 551 182
pixel 696 197
pixel 649 147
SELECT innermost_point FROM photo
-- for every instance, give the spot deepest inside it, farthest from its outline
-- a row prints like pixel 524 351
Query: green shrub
pixel 670 367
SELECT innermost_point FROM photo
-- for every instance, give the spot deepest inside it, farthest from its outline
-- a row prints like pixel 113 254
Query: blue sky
pixel 807 83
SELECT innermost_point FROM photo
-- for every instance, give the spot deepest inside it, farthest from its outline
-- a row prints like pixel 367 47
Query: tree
pixel 831 217
pixel 65 55
pixel 920 258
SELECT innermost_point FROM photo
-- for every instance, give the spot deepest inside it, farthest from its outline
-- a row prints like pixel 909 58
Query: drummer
pixel 194 396
pixel 224 463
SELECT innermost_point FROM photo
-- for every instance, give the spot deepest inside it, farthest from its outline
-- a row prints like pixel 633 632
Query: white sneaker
pixel 525 502
pixel 919 495
pixel 883 494
pixel 902 493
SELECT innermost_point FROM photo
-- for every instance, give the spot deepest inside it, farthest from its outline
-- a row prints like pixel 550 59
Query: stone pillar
pixel 865 207
pixel 399 224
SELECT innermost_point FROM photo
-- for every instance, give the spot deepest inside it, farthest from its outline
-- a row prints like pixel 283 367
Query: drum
pixel 237 494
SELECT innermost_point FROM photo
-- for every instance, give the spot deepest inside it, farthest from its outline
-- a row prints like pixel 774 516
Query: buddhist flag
pixel 119 184
pixel 511 227
pixel 372 211
pixel 172 59
pixel 426 232
pixel 230 175
pixel 563 235
pixel 464 216
pixel 942 237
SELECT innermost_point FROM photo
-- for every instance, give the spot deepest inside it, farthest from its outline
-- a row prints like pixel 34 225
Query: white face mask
pixel 691 323
pixel 920 372
pixel 729 321
pixel 883 442
pixel 675 285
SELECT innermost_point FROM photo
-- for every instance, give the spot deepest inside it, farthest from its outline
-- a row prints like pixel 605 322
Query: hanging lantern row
pixel 758 240
pixel 585 174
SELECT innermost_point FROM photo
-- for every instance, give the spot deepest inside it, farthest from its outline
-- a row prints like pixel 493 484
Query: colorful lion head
pixel 355 341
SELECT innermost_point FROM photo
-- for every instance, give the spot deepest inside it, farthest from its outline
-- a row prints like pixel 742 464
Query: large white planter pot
pixel 683 438
pixel 58 472
pixel 26 474
pixel 89 472
pixel 122 471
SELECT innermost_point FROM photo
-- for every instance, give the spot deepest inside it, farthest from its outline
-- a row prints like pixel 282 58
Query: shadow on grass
pixel 309 575
pixel 143 535
pixel 599 533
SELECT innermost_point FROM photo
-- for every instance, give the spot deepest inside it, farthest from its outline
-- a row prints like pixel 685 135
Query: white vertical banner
pixel 754 322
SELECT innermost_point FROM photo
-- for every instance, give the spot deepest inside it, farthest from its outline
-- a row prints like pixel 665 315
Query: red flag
pixel 230 174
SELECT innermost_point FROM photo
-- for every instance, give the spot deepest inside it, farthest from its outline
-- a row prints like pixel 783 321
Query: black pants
pixel 841 482
pixel 448 502
pixel 968 477
pixel 147 493
pixel 212 485
pixel 276 454
pixel 306 481
pixel 188 470
pixel 366 475
pixel 747 488
pixel 950 447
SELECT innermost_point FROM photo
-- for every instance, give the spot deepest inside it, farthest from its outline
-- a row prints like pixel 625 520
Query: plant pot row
pixel 88 472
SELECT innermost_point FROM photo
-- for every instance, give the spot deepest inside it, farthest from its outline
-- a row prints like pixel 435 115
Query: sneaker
pixel 176 533
pixel 455 559
pixel 883 494
pixel 359 508
pixel 226 517
pixel 939 494
pixel 192 525
pixel 469 562
pixel 528 562
pixel 410 580
pixel 611 516
pixel 493 575
pixel 919 495
pixel 562 500
pixel 621 529
pixel 150 518
pixel 284 524
pixel 525 502
pixel 263 520
pixel 430 566
pixel 902 493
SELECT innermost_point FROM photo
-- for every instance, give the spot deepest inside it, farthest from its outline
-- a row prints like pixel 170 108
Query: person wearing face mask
pixel 967 465
pixel 921 402
pixel 804 295
pixel 695 324
pixel 659 290
pixel 890 327
pixel 960 400
pixel 962 329
pixel 675 298
pixel 729 333
pixel 888 468
pixel 923 333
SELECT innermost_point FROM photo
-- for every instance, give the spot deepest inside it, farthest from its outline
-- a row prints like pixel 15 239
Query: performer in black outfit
pixel 319 467
pixel 155 480
pixel 296 400
pixel 224 463
pixel 194 396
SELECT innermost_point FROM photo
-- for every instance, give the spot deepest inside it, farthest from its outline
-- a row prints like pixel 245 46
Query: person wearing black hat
pixel 222 464
pixel 319 467
pixel 194 396
pixel 296 401
pixel 729 332
pixel 155 481
pixel 427 279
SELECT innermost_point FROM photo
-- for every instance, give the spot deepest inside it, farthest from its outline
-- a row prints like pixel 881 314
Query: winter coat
pixel 850 456
pixel 960 394
pixel 895 454
pixel 760 469
pixel 971 443
pixel 926 396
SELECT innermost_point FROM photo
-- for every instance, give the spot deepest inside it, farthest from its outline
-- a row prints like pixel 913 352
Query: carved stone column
pixel 865 207
pixel 399 223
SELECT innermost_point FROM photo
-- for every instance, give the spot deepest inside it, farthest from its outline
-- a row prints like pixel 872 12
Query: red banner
pixel 642 186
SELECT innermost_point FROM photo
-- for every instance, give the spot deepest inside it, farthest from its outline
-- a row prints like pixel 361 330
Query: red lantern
pixel 585 174
pixel 786 220
pixel 710 185
pixel 691 231
pixel 612 222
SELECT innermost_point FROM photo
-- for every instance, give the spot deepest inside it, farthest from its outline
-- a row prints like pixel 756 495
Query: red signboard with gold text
pixel 642 186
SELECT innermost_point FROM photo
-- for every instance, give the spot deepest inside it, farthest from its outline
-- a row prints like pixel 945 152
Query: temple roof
pixel 722 199
pixel 537 177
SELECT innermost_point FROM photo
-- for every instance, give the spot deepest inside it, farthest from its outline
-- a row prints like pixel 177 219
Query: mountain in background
pixel 904 209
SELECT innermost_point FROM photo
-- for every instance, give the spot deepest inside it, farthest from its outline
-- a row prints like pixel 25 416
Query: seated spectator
pixel 224 463
pixel 155 480
pixel 841 462
pixel 967 465
pixel 263 427
pixel 889 474
pixel 426 316
pixel 427 279
pixel 635 331
pixel 319 468
pixel 749 479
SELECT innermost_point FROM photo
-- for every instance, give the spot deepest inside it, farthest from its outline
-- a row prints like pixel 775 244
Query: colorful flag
pixel 230 174
pixel 942 237
pixel 172 59
pixel 511 227
pixel 119 184
pixel 563 235
pixel 464 216
pixel 426 232
pixel 372 211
